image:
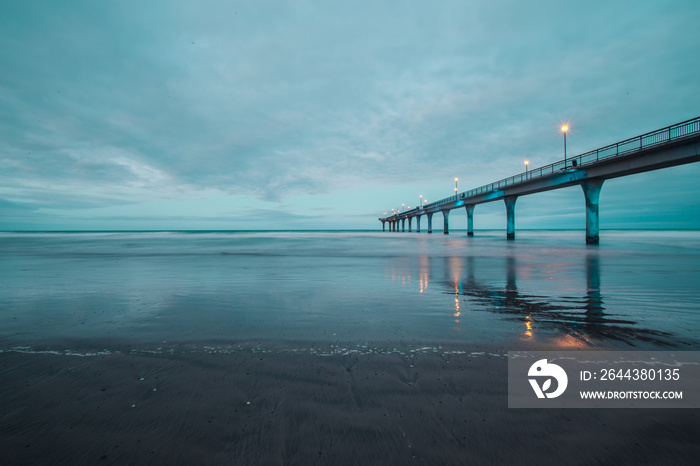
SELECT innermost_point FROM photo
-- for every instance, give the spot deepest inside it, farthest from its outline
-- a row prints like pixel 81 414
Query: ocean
pixel 90 291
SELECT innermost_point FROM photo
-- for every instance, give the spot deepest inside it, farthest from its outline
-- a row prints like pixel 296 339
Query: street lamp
pixel 527 162
pixel 403 207
pixel 564 129
pixel 420 204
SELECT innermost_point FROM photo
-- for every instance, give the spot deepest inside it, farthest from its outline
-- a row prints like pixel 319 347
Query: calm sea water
pixel 348 289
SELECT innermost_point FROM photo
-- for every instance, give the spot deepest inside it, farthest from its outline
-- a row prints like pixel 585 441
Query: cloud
pixel 121 103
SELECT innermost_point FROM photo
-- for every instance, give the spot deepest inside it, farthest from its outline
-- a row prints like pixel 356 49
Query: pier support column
pixel 418 223
pixel 446 224
pixel 591 190
pixel 403 224
pixel 430 222
pixel 410 219
pixel 510 214
pixel 470 220
pixel 383 225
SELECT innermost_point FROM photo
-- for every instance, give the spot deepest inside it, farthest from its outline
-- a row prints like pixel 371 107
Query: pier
pixel 673 145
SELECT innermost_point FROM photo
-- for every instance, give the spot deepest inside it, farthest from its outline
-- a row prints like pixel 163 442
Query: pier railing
pixel 653 138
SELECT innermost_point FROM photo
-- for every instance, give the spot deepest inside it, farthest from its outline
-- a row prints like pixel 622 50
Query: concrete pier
pixel 403 224
pixel 672 146
pixel 470 220
pixel 446 224
pixel 591 191
pixel 510 214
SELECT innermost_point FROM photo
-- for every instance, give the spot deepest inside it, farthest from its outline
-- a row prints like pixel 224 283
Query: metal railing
pixel 660 136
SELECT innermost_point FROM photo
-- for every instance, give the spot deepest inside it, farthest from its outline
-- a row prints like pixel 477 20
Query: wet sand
pixel 256 407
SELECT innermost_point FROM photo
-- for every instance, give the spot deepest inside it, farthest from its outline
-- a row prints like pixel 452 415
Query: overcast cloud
pixel 319 114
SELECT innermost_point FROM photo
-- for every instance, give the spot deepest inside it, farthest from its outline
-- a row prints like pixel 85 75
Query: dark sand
pixel 282 408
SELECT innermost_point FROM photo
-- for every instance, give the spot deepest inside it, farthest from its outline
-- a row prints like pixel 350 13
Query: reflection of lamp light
pixel 457 313
pixel 528 327
pixel 527 162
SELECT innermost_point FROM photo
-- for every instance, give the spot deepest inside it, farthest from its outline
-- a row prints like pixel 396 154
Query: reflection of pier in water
pixel 564 320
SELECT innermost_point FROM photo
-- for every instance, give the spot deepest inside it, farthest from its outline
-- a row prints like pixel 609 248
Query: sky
pixel 322 115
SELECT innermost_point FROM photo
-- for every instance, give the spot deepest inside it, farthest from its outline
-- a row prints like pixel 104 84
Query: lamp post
pixel 564 129
pixel 527 162
pixel 403 207
pixel 456 179
pixel 420 204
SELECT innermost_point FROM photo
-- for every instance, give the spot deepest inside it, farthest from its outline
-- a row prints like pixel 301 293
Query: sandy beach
pixel 253 406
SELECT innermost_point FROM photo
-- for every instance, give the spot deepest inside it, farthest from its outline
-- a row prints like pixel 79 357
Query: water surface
pixel 349 289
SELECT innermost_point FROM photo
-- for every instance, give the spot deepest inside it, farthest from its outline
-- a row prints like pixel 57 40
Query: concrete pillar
pixel 591 191
pixel 510 214
pixel 430 222
pixel 446 224
pixel 409 223
pixel 470 220
pixel 418 223
pixel 383 225
pixel 403 224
